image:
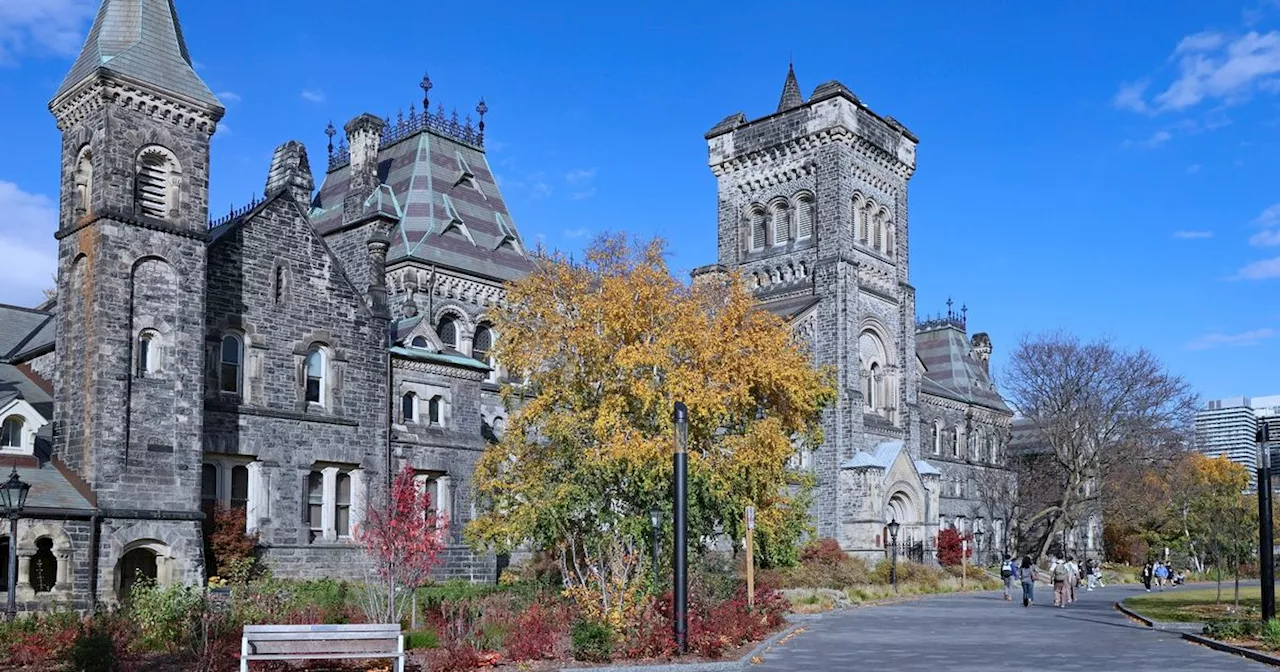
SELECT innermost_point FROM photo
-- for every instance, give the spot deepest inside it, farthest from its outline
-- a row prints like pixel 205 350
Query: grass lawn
pixel 1198 604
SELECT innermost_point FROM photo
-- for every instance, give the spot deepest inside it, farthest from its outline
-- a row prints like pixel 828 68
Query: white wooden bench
pixel 321 642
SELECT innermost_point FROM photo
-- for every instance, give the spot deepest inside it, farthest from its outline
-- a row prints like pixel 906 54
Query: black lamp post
pixel 680 523
pixel 977 543
pixel 893 568
pixel 655 519
pixel 1266 563
pixel 13 498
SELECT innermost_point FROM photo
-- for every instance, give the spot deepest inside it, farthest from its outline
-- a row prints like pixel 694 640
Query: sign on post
pixel 751 561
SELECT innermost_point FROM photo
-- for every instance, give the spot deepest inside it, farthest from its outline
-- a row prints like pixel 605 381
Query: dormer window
pixel 419 342
pixel 156 185
pixel 11 432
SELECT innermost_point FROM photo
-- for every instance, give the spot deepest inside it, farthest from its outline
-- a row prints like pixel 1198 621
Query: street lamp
pixel 13 498
pixel 655 519
pixel 977 544
pixel 680 525
pixel 893 569
pixel 1265 542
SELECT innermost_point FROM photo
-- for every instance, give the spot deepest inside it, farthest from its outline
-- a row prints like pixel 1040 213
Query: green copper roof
pixel 424 355
pixel 141 40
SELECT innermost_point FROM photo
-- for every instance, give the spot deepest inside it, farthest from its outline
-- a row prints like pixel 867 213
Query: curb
pixel 709 666
pixel 1173 626
pixel 1231 648
pixel 1134 615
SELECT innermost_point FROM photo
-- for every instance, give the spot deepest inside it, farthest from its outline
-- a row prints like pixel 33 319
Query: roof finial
pixel 950 303
pixel 330 131
pixel 964 315
pixel 791 97
pixel 426 92
pixel 482 109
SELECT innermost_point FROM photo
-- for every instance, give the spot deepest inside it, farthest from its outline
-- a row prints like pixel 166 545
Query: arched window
pixel 780 222
pixel 862 213
pixel 435 410
pixel 937 437
pixel 84 181
pixel 316 374
pixel 758 230
pixel 230 359
pixel 240 487
pixel 482 343
pixel 409 407
pixel 873 402
pixel 955 441
pixel 889 247
pixel 156 188
pixel 148 353
pixel 11 432
pixel 878 243
pixel 447 329
pixel 872 355
pixel 806 216
pixel 43 568
pixel 419 342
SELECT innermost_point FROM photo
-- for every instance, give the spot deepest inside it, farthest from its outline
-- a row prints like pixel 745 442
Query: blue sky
pixel 1109 168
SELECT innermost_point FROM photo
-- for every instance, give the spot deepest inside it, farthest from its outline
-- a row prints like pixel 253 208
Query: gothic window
pixel 84 181
pixel 937 437
pixel 316 375
pixel 862 212
pixel 872 382
pixel 435 410
pixel 342 506
pixel 156 188
pixel 11 432
pixel 447 328
pixel 955 441
pixel 806 216
pixel 409 407
pixel 756 218
pixel 148 353
pixel 872 353
pixel 780 222
pixel 43 568
pixel 315 504
pixel 878 243
pixel 482 343
pixel 419 342
pixel 232 356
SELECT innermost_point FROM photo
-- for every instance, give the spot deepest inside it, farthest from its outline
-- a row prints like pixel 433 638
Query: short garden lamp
pixel 655 519
pixel 13 498
pixel 893 568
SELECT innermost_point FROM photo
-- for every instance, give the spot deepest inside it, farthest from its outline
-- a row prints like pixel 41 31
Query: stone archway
pixel 901 507
pixel 147 559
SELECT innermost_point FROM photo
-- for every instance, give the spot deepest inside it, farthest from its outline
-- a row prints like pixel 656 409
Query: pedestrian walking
pixel 1027 575
pixel 1146 575
pixel 1061 574
pixel 1162 573
pixel 1097 572
pixel 1008 573
pixel 1089 578
pixel 1073 578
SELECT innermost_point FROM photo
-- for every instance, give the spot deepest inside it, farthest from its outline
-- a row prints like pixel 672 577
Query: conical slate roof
pixel 790 92
pixel 141 40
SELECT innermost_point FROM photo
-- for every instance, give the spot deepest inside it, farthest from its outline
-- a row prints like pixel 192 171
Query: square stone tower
pixel 813 214
pixel 136 123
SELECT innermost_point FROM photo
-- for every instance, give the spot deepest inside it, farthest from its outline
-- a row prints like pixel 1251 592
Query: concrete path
pixel 983 632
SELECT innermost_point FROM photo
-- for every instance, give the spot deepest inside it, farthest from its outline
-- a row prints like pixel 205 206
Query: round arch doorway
pixel 135 565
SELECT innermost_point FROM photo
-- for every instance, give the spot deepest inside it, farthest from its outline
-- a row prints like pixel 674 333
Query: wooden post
pixel 751 561
pixel 964 560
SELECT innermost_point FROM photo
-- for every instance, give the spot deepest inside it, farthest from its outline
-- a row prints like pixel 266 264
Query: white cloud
pixel 1211 67
pixel 1158 138
pixel 1268 238
pixel 582 195
pixel 1259 270
pixel 576 233
pixel 26 244
pixel 1193 169
pixel 1244 338
pixel 1131 96
pixel 580 175
pixel 1268 217
pixel 229 97
pixel 52 26
pixel 313 95
pixel 1206 41
pixel 1192 235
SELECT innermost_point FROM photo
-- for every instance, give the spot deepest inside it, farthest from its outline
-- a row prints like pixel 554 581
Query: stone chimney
pixel 364 136
pixel 291 170
pixel 981 345
pixel 377 244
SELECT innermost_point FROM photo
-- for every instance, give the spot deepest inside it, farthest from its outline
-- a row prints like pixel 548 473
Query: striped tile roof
pixel 951 370
pixel 453 215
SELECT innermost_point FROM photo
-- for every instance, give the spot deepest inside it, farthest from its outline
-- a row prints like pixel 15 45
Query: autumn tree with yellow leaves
pixel 605 347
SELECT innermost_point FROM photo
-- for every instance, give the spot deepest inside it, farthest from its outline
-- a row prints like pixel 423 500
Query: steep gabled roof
pixel 24 331
pixel 453 215
pixel 951 370
pixel 140 40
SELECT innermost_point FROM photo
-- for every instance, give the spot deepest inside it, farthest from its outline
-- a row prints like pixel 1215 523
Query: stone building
pixel 813 213
pixel 282 361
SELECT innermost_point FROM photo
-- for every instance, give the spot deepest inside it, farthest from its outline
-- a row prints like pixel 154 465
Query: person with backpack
pixel 1146 575
pixel 1061 574
pixel 1027 574
pixel 1008 573
pixel 1073 578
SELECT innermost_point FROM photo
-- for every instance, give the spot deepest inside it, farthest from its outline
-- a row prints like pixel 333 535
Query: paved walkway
pixel 983 632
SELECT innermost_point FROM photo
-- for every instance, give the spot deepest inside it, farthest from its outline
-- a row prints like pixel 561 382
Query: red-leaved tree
pixel 402 538
pixel 951 546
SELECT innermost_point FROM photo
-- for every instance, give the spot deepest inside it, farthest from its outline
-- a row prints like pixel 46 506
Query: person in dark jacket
pixel 1147 571
pixel 1027 574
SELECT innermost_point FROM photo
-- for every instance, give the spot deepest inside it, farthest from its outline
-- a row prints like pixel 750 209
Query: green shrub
pixel 1232 629
pixel 166 617
pixel 1270 634
pixel 592 642
pixel 421 639
pixel 93 651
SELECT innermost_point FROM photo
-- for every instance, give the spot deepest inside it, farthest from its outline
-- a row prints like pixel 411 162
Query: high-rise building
pixel 1228 428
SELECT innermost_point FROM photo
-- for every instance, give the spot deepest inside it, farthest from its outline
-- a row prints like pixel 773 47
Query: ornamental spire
pixel 791 97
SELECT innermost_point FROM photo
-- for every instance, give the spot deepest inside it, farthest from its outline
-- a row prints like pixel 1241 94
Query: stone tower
pixel 136 124
pixel 813 214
